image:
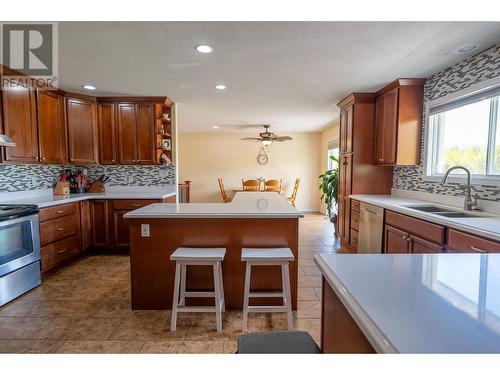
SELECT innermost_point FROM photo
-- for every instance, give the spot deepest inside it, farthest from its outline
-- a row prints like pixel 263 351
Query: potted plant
pixel 330 190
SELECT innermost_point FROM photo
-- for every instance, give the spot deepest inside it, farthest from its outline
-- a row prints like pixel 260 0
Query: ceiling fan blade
pixel 250 139
pixel 282 139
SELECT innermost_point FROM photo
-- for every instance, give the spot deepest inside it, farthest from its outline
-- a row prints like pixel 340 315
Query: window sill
pixel 462 179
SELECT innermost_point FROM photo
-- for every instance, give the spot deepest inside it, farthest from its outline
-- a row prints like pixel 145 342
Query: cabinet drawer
pixel 468 243
pixel 354 223
pixel 54 212
pixel 354 239
pixel 424 229
pixel 56 229
pixel 354 205
pixel 59 251
pixel 129 204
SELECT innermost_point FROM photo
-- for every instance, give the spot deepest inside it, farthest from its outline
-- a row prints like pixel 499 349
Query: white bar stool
pixel 267 257
pixel 186 256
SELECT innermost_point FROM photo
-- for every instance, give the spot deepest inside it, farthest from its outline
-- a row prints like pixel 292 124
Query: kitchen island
pixel 410 303
pixel 262 220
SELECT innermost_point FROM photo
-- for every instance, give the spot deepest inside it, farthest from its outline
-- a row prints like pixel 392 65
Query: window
pixel 466 132
pixel 333 150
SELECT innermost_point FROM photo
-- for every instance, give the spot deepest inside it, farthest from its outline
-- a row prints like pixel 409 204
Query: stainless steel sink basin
pixel 429 208
pixel 458 214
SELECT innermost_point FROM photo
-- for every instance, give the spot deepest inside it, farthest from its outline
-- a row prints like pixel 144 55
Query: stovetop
pixel 12 211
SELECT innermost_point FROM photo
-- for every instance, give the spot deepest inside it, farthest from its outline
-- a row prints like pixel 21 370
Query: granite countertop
pixel 243 205
pixel 45 198
pixel 420 303
pixel 488 225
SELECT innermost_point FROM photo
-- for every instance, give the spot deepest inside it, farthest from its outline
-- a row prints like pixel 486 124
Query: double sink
pixel 446 212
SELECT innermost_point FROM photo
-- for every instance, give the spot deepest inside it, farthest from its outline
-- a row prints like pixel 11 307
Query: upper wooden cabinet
pixel 51 131
pixel 346 129
pixel 107 133
pixel 82 131
pixel 398 123
pixel 19 123
pixel 136 133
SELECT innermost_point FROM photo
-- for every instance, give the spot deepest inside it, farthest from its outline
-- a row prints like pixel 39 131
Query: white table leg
pixel 246 298
pixel 218 309
pixel 175 302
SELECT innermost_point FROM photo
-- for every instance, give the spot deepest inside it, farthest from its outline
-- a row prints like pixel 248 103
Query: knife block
pixel 96 187
pixel 61 188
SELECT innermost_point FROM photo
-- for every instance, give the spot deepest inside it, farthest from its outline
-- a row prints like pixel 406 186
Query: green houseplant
pixel 330 191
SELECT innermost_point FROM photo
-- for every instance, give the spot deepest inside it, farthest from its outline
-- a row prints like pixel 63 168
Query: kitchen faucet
pixel 469 203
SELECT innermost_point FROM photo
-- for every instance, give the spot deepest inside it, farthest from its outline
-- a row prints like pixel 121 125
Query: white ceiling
pixel 287 74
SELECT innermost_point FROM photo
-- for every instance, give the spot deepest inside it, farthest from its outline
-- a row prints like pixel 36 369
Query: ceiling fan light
pixel 266 142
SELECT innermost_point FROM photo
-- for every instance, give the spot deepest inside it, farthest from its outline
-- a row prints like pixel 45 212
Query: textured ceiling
pixel 287 74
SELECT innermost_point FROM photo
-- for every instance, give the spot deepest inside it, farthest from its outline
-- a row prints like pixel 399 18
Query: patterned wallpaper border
pixel 22 177
pixel 480 67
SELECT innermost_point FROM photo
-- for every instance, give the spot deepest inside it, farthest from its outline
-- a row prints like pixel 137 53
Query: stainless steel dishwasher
pixel 371 228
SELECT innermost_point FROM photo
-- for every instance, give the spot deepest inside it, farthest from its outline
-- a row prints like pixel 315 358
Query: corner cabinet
pixel 81 124
pixel 398 123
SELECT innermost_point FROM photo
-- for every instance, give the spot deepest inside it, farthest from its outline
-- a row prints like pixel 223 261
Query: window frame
pixel 476 179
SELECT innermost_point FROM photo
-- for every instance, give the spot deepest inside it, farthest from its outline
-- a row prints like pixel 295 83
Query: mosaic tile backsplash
pixel 480 67
pixel 22 177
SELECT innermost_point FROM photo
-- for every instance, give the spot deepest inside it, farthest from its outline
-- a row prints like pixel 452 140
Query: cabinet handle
pixel 61 251
pixel 43 158
pixel 60 229
pixel 478 249
pixel 71 159
pixel 381 159
pixel 59 212
pixel 136 205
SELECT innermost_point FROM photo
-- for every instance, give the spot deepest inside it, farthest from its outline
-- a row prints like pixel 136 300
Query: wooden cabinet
pixel 395 241
pixel 136 133
pixel 459 242
pixel 86 225
pixel 420 246
pixel 19 123
pixel 107 133
pixel 100 223
pixel 357 173
pixel 398 123
pixel 82 131
pixel 51 130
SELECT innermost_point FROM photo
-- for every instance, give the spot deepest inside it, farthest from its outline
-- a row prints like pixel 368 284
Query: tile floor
pixel 85 308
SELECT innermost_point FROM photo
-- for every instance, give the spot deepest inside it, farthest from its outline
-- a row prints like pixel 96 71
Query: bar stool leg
pixel 246 298
pixel 221 283
pixel 182 300
pixel 175 302
pixel 217 294
pixel 287 299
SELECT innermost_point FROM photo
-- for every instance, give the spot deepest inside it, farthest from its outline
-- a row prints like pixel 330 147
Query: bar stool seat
pixel 187 256
pixel 279 342
pixel 267 257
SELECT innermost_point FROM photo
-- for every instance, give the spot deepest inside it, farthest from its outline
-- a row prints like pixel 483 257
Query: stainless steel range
pixel 19 250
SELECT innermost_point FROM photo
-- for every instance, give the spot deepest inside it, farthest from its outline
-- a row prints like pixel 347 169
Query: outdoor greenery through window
pixel 466 133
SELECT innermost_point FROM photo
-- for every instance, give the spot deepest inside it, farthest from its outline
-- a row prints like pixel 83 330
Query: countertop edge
pixel 374 335
pixel 212 216
pixel 427 217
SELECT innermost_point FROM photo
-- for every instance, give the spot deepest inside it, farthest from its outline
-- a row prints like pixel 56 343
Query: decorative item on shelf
pixel 77 179
pixel 161 130
pixel 166 145
pixel 98 185
pixel 165 160
pixel 61 188
pixel 166 117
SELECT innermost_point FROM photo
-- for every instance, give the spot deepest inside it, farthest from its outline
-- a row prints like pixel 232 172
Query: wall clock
pixel 262 158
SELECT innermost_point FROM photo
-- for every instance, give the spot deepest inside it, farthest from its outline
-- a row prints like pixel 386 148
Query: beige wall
pixel 327 135
pixel 205 157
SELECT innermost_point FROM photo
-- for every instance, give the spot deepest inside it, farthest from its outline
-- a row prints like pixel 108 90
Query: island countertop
pixel 244 205
pixel 429 303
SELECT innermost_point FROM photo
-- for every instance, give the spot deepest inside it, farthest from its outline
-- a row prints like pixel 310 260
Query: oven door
pixel 19 243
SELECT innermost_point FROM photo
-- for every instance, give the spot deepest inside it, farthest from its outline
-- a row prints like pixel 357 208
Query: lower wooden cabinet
pixel 459 242
pixel 86 225
pixel 100 224
pixel 59 252
pixel 395 241
pixel 120 230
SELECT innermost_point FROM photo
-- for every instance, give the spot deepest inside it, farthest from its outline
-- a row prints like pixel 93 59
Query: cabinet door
pixel 82 131
pixel 51 132
pixel 346 129
pixel 126 123
pixel 395 241
pixel 391 100
pixel 120 229
pixel 107 133
pixel 459 242
pixel 146 135
pixel 100 223
pixel 420 246
pixel 378 149
pixel 19 123
pixel 86 226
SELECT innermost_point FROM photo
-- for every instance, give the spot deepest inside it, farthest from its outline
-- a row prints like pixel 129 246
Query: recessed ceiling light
pixel 203 48
pixel 467 49
pixel 220 87
pixel 88 87
pixel 215 127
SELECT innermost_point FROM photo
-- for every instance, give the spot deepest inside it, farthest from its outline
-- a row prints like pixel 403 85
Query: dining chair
pixel 251 185
pixel 293 197
pixel 273 185
pixel 225 197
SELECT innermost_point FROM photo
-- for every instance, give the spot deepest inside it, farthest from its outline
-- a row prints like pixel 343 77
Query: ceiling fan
pixel 266 138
